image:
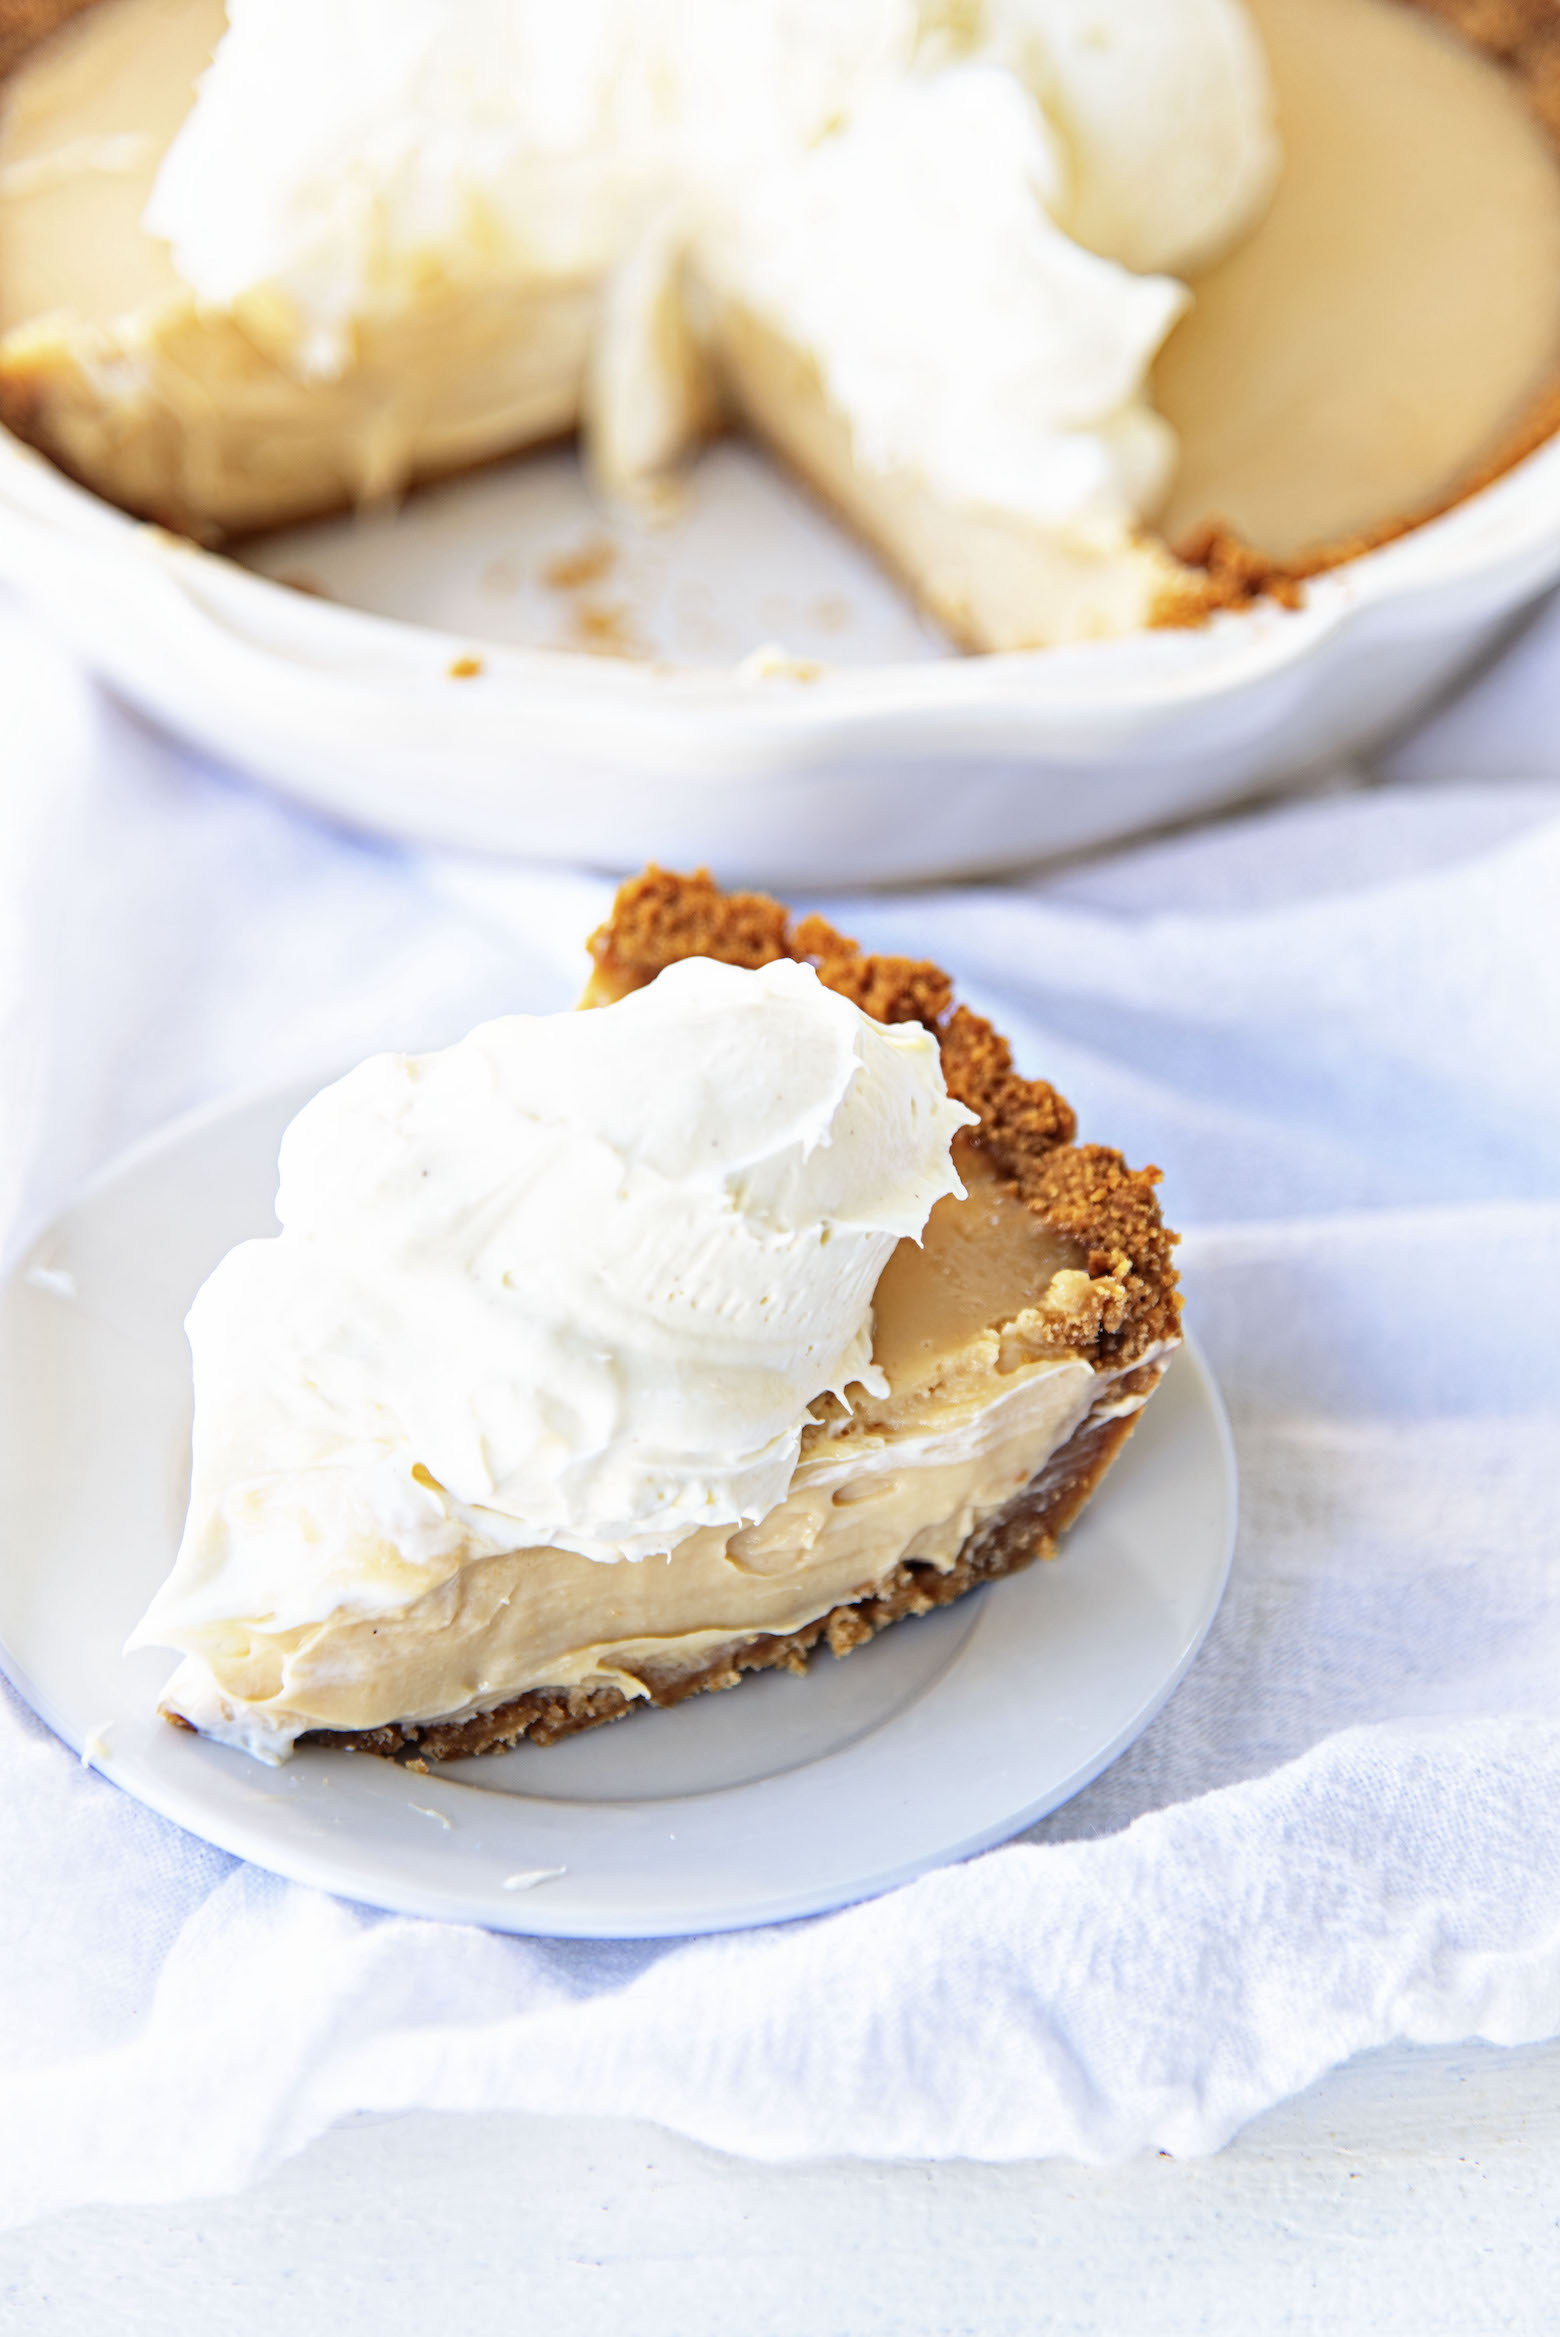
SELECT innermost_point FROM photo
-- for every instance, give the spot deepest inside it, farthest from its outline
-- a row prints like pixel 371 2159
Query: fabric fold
pixel 1333 1027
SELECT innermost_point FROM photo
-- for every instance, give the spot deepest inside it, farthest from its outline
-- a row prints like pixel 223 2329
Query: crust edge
pixel 1026 1131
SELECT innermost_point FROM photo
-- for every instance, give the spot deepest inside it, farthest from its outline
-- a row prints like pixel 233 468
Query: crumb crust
pixel 1027 1131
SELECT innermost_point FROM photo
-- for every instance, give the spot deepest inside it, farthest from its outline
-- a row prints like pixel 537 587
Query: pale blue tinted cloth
pixel 1336 1027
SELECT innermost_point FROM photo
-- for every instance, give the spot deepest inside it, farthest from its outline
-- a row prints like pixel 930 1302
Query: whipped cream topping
pixel 572 1282
pixel 860 1500
pixel 1165 113
pixel 948 203
pixel 968 338
pixel 340 149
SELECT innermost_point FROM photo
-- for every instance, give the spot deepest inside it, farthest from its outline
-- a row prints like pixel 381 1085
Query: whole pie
pixel 611 1356
pixel 1087 315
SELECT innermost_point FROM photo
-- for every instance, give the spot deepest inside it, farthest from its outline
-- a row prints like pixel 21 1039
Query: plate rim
pixel 301 1861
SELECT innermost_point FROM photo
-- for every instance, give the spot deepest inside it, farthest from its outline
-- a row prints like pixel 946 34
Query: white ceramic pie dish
pixel 907 766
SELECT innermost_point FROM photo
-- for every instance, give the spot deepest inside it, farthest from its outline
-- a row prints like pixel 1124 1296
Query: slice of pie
pixel 609 1357
pixel 1001 282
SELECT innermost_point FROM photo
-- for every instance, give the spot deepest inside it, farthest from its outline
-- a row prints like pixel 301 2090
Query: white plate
pixel 788 1797
pixel 893 760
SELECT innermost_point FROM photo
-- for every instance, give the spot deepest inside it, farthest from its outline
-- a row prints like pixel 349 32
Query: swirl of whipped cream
pixel 572 1282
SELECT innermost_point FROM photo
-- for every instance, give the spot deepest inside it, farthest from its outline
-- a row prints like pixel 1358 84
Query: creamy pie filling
pixel 991 581
pixel 193 414
pixel 1396 311
pixel 969 1331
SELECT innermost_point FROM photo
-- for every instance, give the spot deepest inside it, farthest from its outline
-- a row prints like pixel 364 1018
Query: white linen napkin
pixel 1334 1026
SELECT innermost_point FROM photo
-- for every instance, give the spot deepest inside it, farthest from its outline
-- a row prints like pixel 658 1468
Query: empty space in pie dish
pixel 524 554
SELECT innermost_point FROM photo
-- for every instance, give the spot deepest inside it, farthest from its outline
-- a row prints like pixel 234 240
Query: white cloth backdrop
pixel 1337 1028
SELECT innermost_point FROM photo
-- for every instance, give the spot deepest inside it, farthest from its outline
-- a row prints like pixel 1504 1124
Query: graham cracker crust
pixel 1026 1131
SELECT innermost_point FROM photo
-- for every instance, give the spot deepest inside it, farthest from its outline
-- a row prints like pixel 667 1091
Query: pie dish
pixel 434 708
pixel 457 1429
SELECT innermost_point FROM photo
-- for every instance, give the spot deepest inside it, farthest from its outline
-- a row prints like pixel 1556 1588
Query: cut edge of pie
pixel 1126 1327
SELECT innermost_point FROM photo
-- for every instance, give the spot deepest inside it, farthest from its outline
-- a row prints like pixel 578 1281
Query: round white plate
pixel 789 1797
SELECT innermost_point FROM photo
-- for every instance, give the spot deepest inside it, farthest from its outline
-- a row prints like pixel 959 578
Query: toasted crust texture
pixel 1026 1129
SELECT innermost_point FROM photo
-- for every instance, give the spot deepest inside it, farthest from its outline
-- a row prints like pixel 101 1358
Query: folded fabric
pixel 1333 1027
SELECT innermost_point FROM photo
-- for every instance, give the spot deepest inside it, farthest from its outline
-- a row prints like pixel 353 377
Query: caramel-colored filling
pixel 982 1261
pixel 993 580
pixel 84 126
pixel 982 1391
pixel 1390 320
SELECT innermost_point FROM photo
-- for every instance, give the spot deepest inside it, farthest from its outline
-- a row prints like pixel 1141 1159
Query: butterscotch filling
pixel 109 362
pixel 1390 319
pixel 969 1330
pixel 990 580
pixel 84 126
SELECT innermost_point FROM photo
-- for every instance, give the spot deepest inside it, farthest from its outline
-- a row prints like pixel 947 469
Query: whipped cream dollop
pixel 1165 113
pixel 957 207
pixel 339 150
pixel 969 339
pixel 572 1282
